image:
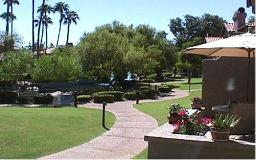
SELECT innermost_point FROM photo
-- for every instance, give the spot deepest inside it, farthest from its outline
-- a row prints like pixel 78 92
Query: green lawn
pixel 160 111
pixel 195 84
pixel 35 132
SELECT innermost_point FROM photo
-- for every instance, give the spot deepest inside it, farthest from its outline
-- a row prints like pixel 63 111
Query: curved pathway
pixel 126 137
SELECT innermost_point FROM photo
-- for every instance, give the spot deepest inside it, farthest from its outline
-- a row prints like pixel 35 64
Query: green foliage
pixel 59 66
pixel 118 95
pixel 108 98
pixel 130 95
pixel 8 97
pixel 227 121
pixel 119 49
pixel 164 89
pixel 16 65
pixel 175 108
pixel 25 100
pixel 43 99
pixel 148 94
pixel 144 87
pixel 84 98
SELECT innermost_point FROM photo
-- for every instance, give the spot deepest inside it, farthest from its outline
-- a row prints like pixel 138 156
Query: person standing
pixel 239 19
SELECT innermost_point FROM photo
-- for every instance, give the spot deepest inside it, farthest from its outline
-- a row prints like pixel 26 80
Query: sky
pixel 93 13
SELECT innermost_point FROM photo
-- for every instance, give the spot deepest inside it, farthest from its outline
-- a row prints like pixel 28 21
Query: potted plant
pixel 173 113
pixel 221 125
pixel 196 103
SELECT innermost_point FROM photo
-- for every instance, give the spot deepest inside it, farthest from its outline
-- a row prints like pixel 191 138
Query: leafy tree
pixel 16 65
pixel 71 17
pixel 190 27
pixel 61 65
pixel 251 19
pixel 62 8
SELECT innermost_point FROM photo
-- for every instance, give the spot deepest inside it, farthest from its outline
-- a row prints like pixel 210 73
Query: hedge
pixel 130 96
pixel 25 100
pixel 164 89
pixel 84 98
pixel 144 87
pixel 108 98
pixel 148 94
pixel 8 97
pixel 118 95
pixel 43 99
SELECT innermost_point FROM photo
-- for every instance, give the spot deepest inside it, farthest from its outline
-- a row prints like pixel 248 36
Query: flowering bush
pixel 196 100
pixel 190 124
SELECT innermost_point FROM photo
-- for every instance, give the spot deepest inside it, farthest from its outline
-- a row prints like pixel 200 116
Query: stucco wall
pixel 226 79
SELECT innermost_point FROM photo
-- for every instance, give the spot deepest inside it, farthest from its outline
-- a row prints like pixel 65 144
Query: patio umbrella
pixel 242 45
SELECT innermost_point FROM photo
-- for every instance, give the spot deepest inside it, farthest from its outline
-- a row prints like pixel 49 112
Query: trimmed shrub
pixel 118 95
pixel 147 80
pixel 144 87
pixel 43 99
pixel 8 97
pixel 84 98
pixel 130 96
pixel 108 98
pixel 164 89
pixel 148 94
pixel 25 100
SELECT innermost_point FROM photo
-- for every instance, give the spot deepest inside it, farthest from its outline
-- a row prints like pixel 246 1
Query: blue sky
pixel 92 13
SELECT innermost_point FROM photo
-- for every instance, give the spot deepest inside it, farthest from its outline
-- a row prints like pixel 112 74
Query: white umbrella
pixel 242 45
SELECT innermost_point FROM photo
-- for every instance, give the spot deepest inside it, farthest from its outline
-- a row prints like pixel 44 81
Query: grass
pixel 160 111
pixel 35 132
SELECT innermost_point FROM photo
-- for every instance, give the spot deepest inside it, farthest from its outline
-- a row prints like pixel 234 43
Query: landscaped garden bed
pixel 162 143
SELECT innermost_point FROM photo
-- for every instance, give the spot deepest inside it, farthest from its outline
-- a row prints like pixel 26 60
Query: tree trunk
pixel 39 28
pixel 68 34
pixel 33 26
pixel 12 20
pixel 42 35
pixel 59 32
pixel 46 37
pixel 7 21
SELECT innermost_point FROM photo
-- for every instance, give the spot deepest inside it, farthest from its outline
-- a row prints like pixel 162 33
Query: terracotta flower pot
pixel 219 134
pixel 173 118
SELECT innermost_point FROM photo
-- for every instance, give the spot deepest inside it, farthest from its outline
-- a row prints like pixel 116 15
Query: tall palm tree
pixel 33 26
pixel 70 17
pixel 60 7
pixel 46 21
pixel 12 2
pixel 7 17
pixel 39 28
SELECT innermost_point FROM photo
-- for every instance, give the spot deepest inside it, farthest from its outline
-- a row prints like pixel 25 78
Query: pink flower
pixel 207 121
pixel 182 113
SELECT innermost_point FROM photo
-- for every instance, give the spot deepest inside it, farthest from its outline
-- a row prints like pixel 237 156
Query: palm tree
pixel 46 21
pixel 39 28
pixel 7 17
pixel 60 7
pixel 12 2
pixel 33 26
pixel 70 17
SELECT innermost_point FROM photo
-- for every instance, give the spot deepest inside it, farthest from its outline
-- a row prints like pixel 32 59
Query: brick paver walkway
pixel 126 137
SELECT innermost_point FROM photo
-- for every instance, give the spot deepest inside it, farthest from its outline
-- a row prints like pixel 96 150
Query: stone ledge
pixel 163 144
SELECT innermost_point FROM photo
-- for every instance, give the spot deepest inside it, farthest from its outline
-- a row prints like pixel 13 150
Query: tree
pixel 191 27
pixel 117 49
pixel 16 65
pixel 62 65
pixel 62 8
pixel 7 17
pixel 45 20
pixel 33 25
pixel 13 17
pixel 39 28
pixel 70 17
pixel 251 19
